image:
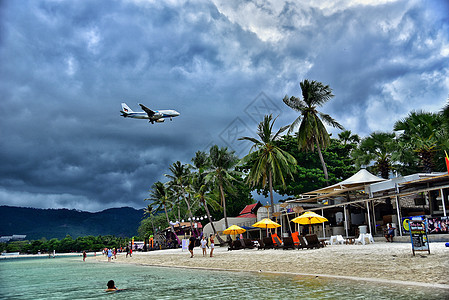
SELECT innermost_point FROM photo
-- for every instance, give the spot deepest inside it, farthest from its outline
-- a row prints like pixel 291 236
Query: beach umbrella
pixel 234 229
pixel 309 218
pixel 266 223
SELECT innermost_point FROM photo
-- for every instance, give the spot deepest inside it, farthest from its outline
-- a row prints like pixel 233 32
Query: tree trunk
pixel 171 226
pixel 270 185
pixel 188 208
pixel 326 177
pixel 224 205
pixel 212 223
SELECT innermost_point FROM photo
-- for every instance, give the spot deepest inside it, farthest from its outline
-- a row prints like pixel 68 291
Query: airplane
pixel 157 116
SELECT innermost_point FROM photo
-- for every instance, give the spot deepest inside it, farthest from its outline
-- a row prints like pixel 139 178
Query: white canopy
pixel 360 178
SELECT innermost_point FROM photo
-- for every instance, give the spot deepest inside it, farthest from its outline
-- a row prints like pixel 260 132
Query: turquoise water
pixel 70 278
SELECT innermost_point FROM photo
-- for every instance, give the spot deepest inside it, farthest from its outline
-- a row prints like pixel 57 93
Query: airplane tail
pixel 126 109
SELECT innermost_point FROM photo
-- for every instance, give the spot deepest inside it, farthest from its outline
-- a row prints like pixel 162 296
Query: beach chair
pixel 295 237
pixel 313 242
pixel 259 244
pixel 247 243
pixel 235 245
pixel 370 237
pixel 288 243
pixel 268 243
pixel 340 239
pixel 276 241
pixel 303 242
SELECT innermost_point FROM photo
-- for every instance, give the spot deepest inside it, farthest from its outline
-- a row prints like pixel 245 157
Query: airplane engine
pixel 160 120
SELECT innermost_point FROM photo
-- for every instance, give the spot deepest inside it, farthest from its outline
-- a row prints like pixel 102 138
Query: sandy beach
pixel 382 262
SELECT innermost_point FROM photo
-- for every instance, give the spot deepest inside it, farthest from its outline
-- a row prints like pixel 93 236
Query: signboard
pixel 438 225
pixel 185 244
pixel 418 234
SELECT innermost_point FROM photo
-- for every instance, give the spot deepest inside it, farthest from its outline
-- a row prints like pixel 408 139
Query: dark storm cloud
pixel 65 66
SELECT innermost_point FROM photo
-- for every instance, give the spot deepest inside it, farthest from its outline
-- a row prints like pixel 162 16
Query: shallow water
pixel 70 278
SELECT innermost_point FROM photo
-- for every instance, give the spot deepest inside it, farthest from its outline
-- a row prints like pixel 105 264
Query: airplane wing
pixel 149 112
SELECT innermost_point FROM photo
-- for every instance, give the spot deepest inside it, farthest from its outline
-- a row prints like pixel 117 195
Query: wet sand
pixel 382 262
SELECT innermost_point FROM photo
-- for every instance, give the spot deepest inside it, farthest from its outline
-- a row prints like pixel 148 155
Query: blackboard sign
pixel 418 234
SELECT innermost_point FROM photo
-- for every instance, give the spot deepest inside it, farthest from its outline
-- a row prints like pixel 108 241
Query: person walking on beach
pixel 204 245
pixel 212 244
pixel 191 245
pixel 84 255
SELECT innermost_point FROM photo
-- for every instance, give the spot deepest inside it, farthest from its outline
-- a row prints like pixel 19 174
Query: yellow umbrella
pixel 266 223
pixel 234 229
pixel 309 218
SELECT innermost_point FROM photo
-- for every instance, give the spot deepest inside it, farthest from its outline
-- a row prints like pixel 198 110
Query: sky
pixel 65 67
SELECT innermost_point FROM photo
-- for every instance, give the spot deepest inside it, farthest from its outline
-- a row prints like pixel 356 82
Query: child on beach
pixel 212 244
pixel 204 245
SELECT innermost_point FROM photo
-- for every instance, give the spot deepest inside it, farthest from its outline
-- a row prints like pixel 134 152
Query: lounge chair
pixel 235 245
pixel 288 243
pixel 295 237
pixel 276 241
pixel 259 243
pixel 247 243
pixel 303 242
pixel 313 242
pixel 268 243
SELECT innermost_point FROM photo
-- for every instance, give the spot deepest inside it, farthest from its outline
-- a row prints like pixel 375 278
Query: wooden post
pixel 399 215
pixel 442 200
pixel 369 218
pixel 346 222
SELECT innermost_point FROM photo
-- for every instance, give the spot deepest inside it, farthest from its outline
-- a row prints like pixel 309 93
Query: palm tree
pixel 377 147
pixel 160 196
pixel 179 178
pixel 269 162
pixel 347 137
pixel 422 133
pixel 148 211
pixel 311 132
pixel 222 164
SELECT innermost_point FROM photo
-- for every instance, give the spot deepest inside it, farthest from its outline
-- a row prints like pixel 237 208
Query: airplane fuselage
pixel 158 116
pixel 167 113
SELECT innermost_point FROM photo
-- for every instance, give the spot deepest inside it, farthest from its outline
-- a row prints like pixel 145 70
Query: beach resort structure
pixel 363 203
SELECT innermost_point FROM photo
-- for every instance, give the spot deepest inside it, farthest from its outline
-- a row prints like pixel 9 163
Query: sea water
pixel 71 278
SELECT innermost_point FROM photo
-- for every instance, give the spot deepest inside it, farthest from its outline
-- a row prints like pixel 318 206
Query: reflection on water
pixel 70 278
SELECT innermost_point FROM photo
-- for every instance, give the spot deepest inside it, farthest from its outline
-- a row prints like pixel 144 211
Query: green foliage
pixel 66 245
pixel 423 135
pixel 312 132
pixel 146 225
pixel 308 174
pixel 269 163
pixel 378 147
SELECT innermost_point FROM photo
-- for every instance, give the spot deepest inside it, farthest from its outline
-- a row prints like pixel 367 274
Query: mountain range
pixel 57 223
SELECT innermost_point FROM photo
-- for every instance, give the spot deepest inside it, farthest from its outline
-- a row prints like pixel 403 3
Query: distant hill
pixel 57 223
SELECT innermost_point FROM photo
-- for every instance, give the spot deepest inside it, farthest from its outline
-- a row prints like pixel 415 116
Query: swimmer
pixel 111 286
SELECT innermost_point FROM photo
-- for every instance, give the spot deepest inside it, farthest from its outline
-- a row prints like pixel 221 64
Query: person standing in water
pixel 84 255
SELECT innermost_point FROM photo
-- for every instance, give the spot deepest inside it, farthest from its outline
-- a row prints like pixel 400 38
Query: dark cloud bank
pixel 65 67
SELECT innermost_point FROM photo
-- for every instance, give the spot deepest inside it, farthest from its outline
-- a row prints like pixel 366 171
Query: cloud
pixel 67 66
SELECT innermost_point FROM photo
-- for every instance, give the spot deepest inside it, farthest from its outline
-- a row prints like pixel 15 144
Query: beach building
pixel 365 203
pixel 166 239
pixel 362 203
pixel 246 218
